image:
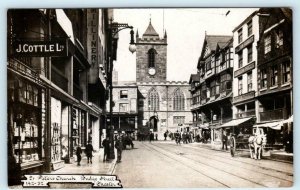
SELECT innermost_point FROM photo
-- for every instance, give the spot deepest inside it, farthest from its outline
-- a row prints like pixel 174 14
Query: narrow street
pixel 165 164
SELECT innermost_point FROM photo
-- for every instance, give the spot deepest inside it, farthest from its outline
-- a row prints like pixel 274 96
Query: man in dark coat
pixel 119 147
pixel 224 141
pixel 89 152
pixel 78 154
pixel 105 144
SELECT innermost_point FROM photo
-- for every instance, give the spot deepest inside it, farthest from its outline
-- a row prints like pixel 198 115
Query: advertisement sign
pixel 26 48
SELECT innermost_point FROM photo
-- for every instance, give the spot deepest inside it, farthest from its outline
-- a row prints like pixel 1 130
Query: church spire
pixel 137 33
pixel 150 31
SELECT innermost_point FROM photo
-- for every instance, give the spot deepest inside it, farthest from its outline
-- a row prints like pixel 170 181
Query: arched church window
pixel 151 57
pixel 153 100
pixel 178 100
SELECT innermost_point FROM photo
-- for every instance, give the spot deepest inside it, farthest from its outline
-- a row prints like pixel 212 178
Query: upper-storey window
pixel 249 81
pixel 264 78
pixel 153 100
pixel 124 94
pixel 267 43
pixel 249 24
pixel 178 100
pixel 240 55
pixel 286 72
pixel 240 85
pixel 240 35
pixel 250 54
pixel 279 38
pixel 274 75
pixel 151 57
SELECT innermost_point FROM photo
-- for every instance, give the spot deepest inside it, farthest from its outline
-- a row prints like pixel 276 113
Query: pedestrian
pixel 224 141
pixel 156 136
pixel 165 135
pixel 105 145
pixel 119 147
pixel 78 154
pixel 89 152
pixel 150 137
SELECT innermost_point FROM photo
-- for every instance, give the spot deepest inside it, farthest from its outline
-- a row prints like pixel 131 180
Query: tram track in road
pixel 233 159
pixel 162 155
pixel 248 165
pixel 284 182
pixel 226 179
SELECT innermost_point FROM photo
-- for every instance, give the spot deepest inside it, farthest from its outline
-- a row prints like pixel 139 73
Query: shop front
pixel 126 124
pixel 25 122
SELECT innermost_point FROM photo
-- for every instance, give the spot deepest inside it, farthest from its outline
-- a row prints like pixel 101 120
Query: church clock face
pixel 151 71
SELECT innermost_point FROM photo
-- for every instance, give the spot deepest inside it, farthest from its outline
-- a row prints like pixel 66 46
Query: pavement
pixel 97 167
pixel 278 155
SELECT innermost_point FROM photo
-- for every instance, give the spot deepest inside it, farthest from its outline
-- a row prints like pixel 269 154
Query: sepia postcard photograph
pixel 150 97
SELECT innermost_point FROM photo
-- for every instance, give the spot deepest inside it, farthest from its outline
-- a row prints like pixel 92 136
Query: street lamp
pixel 132 47
pixel 113 29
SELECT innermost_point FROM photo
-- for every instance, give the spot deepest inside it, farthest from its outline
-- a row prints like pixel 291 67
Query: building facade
pixel 56 87
pixel 258 81
pixel 211 88
pixel 245 37
pixel 125 112
pixel 162 106
pixel 275 75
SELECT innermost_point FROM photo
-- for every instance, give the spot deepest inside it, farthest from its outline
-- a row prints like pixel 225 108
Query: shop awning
pixel 236 122
pixel 65 23
pixel 272 125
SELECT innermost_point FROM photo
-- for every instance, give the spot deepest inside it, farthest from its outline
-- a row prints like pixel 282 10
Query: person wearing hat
pixel 119 147
pixel 78 154
pixel 89 152
pixel 105 144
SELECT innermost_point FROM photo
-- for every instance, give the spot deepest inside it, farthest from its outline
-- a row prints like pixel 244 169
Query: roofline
pixel 246 20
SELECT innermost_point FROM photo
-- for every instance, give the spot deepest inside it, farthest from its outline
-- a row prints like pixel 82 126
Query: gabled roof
pixel 195 78
pixel 222 44
pixel 150 31
pixel 214 40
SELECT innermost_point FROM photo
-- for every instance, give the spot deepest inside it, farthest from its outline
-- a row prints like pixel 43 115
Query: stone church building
pixel 162 105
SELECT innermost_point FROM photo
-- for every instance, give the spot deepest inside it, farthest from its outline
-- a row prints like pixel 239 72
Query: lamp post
pixel 113 29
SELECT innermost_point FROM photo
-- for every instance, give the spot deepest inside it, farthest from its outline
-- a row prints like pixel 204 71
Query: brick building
pixel 275 75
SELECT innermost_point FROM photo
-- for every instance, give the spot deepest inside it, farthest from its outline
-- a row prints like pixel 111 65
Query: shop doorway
pixel 153 123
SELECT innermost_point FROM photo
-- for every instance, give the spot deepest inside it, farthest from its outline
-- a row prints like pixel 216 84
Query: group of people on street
pixel 150 136
pixel 88 151
pixel 120 144
pixel 185 137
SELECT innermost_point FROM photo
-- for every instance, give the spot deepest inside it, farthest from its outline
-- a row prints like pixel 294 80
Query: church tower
pixel 151 56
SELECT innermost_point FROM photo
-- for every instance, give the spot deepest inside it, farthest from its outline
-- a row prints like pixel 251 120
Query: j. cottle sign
pixel 40 48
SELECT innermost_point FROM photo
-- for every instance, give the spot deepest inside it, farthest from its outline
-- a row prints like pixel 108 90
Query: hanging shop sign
pixel 53 48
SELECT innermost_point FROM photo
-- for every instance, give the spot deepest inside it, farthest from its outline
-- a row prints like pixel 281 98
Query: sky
pixel 185 28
